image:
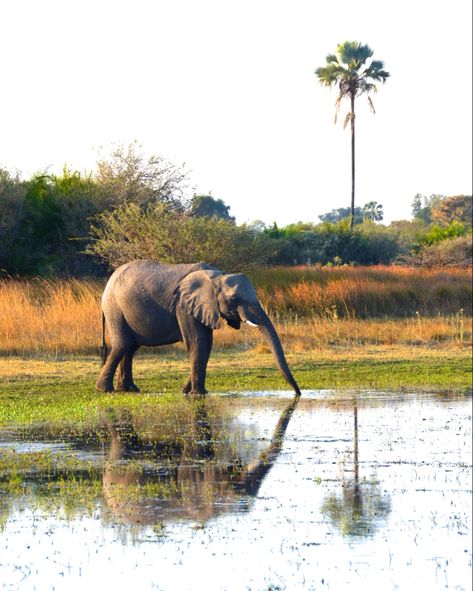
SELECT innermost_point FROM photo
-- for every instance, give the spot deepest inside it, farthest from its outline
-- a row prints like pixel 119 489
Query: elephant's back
pixel 141 293
pixel 150 278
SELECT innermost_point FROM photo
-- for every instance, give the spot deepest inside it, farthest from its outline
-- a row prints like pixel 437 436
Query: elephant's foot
pixel 104 387
pixel 186 388
pixel 127 388
pixel 196 393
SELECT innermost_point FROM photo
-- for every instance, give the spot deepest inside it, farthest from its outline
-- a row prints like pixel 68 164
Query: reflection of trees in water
pixel 361 507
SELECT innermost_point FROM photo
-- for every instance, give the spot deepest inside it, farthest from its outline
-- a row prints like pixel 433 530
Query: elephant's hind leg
pixel 104 382
pixel 187 387
pixel 125 374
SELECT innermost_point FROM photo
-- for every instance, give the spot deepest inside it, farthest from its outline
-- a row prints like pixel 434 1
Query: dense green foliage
pixel 44 223
pixel 207 206
pixel 77 224
pixel 334 244
pixel 371 211
pixel 342 213
pixel 442 210
pixel 169 236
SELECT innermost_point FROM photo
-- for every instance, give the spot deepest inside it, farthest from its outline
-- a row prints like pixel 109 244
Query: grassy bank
pixel 35 390
pixel 50 333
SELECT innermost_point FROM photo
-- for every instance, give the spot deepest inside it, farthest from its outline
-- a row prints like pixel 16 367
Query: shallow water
pixel 255 491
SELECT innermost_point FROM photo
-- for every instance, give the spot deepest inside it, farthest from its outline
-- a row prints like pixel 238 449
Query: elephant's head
pixel 210 296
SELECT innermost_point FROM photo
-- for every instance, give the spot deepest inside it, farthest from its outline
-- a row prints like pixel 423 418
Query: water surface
pixel 255 491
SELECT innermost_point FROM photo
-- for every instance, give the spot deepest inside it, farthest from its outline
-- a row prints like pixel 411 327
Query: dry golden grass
pixel 284 276
pixel 42 317
pixel 56 318
pixel 313 333
pixel 363 292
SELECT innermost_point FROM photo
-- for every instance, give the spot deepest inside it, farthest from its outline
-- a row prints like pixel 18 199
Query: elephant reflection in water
pixel 187 481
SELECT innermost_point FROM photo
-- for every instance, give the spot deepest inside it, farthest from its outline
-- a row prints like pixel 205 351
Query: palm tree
pixel 354 74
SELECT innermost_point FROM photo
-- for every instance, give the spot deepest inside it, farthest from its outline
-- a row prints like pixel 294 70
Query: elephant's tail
pixel 103 348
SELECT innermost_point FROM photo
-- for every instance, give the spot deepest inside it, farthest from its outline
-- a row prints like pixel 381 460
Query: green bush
pixel 163 234
pixel 327 243
pixel 453 252
pixel 436 234
pixel 12 205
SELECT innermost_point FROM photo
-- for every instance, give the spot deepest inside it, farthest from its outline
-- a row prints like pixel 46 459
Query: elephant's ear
pixel 196 296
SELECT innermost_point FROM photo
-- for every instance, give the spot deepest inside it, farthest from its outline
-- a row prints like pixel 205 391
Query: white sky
pixel 228 87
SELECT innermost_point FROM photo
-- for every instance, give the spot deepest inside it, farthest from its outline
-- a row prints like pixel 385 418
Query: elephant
pixel 149 303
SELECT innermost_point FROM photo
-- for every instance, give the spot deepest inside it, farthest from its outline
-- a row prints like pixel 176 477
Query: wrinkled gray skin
pixel 146 303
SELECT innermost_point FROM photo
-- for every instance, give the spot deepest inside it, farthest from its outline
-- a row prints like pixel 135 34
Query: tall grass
pixel 363 292
pixel 306 334
pixel 40 316
pixel 312 308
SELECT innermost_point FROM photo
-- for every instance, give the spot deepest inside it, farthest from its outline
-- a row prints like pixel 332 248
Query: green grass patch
pixel 67 393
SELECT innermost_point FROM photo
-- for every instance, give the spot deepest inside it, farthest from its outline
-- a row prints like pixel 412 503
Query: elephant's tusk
pixel 250 323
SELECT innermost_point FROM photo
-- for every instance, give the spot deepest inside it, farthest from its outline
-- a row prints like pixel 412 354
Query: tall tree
pixel 208 206
pixel 453 209
pixel 342 213
pixel 129 176
pixel 422 206
pixel 352 69
pixel 373 211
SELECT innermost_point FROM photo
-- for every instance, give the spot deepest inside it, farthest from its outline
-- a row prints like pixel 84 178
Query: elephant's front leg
pixel 198 339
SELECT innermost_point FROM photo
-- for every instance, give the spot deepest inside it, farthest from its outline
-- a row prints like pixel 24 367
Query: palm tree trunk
pixel 352 208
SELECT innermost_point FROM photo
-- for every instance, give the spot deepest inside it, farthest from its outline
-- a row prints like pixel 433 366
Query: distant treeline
pixel 77 224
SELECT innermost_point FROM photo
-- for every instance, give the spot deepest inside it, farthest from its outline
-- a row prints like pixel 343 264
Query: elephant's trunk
pixel 256 316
